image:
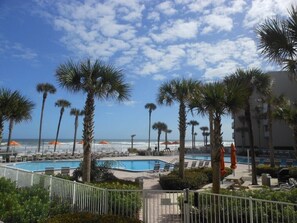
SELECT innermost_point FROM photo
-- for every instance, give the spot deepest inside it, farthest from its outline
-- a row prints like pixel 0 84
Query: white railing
pixel 158 205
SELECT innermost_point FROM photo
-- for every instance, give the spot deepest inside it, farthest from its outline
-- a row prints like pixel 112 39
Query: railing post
pixel 74 193
pixel 32 178
pixel 50 186
pixel 186 206
pixel 144 209
pixel 251 209
pixel 105 201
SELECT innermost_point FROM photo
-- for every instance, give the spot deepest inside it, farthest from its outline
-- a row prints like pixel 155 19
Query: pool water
pixel 128 165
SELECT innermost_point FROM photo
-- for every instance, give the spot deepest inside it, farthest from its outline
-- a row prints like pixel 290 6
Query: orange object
pixel 54 142
pixel 14 143
pixel 222 162
pixel 103 142
pixel 233 157
pixel 81 142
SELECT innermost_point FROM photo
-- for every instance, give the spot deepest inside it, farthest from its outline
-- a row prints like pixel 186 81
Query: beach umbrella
pixel 14 143
pixel 54 142
pixel 175 143
pixel 222 162
pixel 168 143
pixel 233 158
pixel 103 142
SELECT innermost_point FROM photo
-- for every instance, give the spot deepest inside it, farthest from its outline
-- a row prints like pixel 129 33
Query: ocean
pixel 28 146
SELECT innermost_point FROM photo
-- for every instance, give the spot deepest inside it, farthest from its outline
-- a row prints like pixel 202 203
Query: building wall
pixel 282 135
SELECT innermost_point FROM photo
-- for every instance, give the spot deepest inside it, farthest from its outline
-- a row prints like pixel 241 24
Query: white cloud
pixel 217 23
pixel 17 50
pixel 180 29
pixel 159 77
pixel 166 8
pixel 263 9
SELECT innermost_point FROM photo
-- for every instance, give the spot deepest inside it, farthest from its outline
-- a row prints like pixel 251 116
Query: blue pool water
pixel 128 165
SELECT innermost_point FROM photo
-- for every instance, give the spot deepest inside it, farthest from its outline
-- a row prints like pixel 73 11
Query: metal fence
pixel 153 206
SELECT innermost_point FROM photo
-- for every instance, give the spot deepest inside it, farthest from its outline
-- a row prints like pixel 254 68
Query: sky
pixel 151 41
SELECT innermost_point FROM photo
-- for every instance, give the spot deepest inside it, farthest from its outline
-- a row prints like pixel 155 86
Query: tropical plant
pixel 43 88
pixel 193 123
pixel 151 107
pixel 180 91
pixel 278 40
pixel 159 126
pixel 253 80
pixel 287 111
pixel 6 96
pixel 75 112
pixel 204 129
pixel 166 131
pixel 20 110
pixel 97 80
pixel 217 99
pixel 62 104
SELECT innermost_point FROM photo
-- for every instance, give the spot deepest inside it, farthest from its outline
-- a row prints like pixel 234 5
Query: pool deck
pixel 151 179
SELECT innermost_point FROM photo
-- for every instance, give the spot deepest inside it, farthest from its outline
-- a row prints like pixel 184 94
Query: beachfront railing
pixel 157 205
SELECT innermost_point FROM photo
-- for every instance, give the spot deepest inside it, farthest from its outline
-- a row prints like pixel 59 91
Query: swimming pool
pixel 128 165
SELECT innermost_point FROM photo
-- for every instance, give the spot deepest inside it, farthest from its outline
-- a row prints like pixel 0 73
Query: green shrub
pixel 124 197
pixel 272 171
pixel 25 204
pixel 84 217
pixel 194 179
pixel 98 172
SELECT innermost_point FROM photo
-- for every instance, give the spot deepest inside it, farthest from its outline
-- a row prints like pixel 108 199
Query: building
pixel 282 135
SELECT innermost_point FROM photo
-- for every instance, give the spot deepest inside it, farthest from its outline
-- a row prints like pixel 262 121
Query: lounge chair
pixel 206 163
pixel 166 167
pixel 2 160
pixel 12 159
pixel 193 164
pixel 201 163
pixel 49 170
pixel 18 158
pixel 156 167
pixel 65 171
pixel 186 164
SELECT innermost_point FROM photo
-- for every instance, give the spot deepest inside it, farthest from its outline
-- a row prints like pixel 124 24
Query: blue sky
pixel 151 41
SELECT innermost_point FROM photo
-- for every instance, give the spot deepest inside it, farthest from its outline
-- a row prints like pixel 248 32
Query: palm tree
pixel 151 107
pixel 166 131
pixel 278 40
pixel 75 112
pixel 180 91
pixel 193 123
pixel 159 126
pixel 44 88
pixel 21 109
pixel 97 80
pixel 62 104
pixel 253 80
pixel 217 99
pixel 204 129
pixel 6 96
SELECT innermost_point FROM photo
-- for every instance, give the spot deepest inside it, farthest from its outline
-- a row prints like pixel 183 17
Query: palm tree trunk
pixel 211 131
pixel 149 139
pixel 192 137
pixel 1 129
pixel 215 155
pixel 9 135
pixel 159 134
pixel 58 129
pixel 41 118
pixel 166 142
pixel 75 132
pixel 251 139
pixel 182 135
pixel 270 142
pixel 88 135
